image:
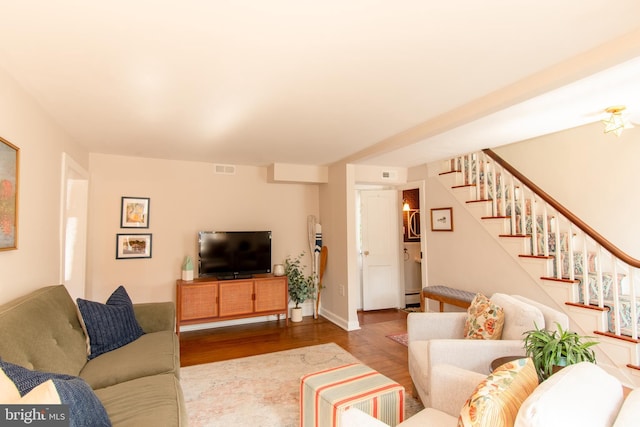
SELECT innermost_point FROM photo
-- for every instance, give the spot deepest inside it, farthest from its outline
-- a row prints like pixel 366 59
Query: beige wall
pixel 594 175
pixel 36 262
pixel 185 197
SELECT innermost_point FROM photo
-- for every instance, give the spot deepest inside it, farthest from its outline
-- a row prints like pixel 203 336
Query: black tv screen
pixel 234 254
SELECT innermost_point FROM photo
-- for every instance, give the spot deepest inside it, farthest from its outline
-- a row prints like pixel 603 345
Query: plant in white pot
pixel 301 287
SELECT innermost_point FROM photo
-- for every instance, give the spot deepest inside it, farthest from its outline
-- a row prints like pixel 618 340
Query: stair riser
pixel 589 320
pixel 451 179
pixel 559 291
pixel 496 226
pixel 479 209
pixel 515 245
pixel 615 350
pixel 535 267
pixel 464 194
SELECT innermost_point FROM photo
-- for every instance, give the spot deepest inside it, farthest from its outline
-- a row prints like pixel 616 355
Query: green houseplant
pixel 553 349
pixel 301 287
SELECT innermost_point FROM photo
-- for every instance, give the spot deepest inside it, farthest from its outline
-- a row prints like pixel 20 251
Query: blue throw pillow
pixel 111 325
pixel 85 409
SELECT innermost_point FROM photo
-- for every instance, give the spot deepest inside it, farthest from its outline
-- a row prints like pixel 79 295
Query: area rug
pixel 259 391
pixel 400 339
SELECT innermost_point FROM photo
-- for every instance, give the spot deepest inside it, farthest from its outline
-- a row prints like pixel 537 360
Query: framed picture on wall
pixel 134 212
pixel 9 175
pixel 442 219
pixel 133 246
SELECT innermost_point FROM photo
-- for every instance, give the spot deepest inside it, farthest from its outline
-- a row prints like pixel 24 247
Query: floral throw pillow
pixel 496 400
pixel 485 319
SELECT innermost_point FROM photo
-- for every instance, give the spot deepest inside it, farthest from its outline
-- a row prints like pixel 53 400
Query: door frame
pixel 420 185
pixel 72 171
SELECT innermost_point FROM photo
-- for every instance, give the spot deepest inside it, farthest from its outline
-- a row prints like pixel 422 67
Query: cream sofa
pixel 138 384
pixel 579 395
pixel 437 338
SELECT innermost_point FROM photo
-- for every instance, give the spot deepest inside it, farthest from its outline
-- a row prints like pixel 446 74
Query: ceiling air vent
pixel 392 175
pixel 225 169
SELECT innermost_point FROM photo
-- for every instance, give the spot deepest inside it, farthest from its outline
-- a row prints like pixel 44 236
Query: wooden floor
pixel 369 344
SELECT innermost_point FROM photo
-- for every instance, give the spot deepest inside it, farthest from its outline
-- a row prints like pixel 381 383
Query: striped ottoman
pixel 326 394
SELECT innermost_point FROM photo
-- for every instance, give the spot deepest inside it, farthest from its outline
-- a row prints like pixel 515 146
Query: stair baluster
pixel 633 297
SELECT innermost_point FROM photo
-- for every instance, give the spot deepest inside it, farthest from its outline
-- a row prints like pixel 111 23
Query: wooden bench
pixel 446 295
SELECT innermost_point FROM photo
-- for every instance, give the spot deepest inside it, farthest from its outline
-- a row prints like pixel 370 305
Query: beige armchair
pixel 437 339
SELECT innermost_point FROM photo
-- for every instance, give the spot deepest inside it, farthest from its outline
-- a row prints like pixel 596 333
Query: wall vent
pixel 225 169
pixel 391 175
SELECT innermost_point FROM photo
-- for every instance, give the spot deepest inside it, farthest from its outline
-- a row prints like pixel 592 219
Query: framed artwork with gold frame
pixel 9 177
pixel 442 219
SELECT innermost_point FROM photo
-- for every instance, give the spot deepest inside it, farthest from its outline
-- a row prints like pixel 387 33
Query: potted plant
pixel 301 287
pixel 551 350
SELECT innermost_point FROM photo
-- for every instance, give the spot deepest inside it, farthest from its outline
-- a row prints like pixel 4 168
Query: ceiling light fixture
pixel 616 123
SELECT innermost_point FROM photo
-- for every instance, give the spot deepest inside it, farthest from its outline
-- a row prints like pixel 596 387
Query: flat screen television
pixel 234 254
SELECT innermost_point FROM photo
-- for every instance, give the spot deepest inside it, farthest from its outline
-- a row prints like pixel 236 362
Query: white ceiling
pixel 293 81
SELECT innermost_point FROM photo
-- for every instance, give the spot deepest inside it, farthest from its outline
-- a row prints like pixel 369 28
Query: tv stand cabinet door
pixel 236 298
pixel 198 301
pixel 271 295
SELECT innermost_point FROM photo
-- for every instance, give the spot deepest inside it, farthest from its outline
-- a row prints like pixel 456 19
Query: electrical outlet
pixel 341 290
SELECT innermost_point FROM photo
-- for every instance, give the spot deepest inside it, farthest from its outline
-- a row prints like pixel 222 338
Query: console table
pixel 209 299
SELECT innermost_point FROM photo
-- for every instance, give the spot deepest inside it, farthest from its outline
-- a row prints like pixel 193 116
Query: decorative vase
pixel 561 364
pixel 296 314
pixel 187 269
pixel 278 270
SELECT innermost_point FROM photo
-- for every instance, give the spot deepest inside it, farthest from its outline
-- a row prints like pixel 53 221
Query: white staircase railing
pixel 600 274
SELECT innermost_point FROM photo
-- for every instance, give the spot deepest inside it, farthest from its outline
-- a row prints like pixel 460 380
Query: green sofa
pixel 138 384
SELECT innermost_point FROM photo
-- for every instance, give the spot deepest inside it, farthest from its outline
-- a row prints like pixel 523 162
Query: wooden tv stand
pixel 209 299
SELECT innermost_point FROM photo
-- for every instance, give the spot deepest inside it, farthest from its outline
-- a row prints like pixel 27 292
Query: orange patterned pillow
pixel 496 400
pixel 485 320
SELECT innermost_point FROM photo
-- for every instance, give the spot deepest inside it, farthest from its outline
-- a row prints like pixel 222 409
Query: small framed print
pixel 133 246
pixel 442 219
pixel 134 212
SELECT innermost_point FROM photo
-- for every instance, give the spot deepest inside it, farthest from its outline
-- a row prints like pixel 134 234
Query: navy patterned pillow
pixel 85 409
pixel 111 325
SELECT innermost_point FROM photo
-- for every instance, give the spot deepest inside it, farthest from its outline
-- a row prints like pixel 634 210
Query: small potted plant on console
pixel 301 287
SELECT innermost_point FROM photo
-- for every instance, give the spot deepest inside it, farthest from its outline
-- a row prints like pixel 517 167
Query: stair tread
pixel 562 279
pixel 479 200
pixel 587 306
pixel 463 186
pixel 495 217
pixel 536 256
pixel 448 172
pixel 619 337
pixel 514 235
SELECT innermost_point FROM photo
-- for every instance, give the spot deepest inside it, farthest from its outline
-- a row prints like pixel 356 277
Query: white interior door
pixel 75 195
pixel 380 249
